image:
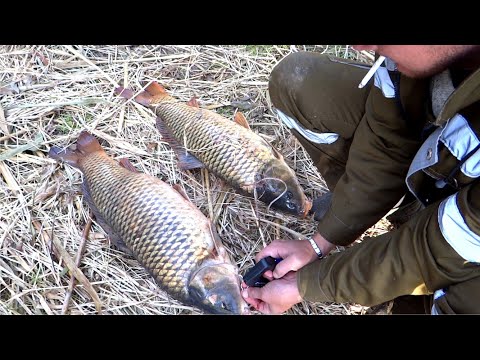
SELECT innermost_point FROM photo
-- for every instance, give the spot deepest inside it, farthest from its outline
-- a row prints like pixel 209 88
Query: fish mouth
pixel 216 289
pixel 307 208
pixel 281 194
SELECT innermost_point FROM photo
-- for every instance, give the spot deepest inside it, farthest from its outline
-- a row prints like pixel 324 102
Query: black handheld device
pixel 254 276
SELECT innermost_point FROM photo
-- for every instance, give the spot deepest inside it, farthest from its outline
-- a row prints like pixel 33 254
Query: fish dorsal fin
pixel 186 161
pixel 193 102
pixel 181 191
pixel 125 163
pixel 241 120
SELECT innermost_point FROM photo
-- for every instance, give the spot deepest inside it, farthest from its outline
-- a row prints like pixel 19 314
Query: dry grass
pixel 51 93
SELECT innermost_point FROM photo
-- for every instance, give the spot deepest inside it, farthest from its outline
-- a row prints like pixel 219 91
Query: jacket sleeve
pixel 440 247
pixel 382 149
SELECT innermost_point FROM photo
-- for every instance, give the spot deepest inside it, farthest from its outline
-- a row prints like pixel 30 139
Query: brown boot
pixel 412 304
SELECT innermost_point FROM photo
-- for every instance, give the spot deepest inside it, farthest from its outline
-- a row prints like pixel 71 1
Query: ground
pixel 48 94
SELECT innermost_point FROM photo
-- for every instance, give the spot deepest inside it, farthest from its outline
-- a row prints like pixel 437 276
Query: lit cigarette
pixel 371 72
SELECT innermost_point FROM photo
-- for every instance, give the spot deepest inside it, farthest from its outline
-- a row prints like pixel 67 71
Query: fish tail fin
pixel 155 89
pixel 153 94
pixel 157 93
pixel 86 144
pixel 123 92
pixel 71 157
pixel 144 98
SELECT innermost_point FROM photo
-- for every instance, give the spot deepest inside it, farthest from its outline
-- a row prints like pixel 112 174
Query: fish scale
pixel 238 163
pixel 162 241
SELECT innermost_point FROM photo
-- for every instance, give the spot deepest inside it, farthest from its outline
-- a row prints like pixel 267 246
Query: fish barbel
pixel 231 150
pixel 156 224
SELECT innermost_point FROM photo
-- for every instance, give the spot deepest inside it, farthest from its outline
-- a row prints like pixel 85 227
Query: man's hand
pixel 281 293
pixel 275 297
pixel 295 254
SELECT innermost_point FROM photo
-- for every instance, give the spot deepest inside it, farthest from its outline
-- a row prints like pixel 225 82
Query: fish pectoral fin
pixel 219 250
pixel 181 191
pixel 186 161
pixel 193 102
pixel 276 153
pixel 241 120
pixel 223 183
pixel 126 164
pixel 117 241
pixel 112 235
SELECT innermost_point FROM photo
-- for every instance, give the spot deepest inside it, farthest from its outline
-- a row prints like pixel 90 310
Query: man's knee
pixel 291 73
pixel 412 304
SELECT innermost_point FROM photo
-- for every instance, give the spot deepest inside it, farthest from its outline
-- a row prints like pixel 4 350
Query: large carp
pixel 164 231
pixel 233 152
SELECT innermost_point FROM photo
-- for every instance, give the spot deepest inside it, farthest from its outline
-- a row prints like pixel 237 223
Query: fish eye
pixel 222 305
pixel 290 205
pixel 289 195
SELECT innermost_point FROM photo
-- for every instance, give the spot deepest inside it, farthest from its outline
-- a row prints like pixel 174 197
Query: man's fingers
pixel 253 302
pixel 283 267
pixel 270 250
pixel 264 308
pixel 252 296
pixel 268 275
pixel 253 292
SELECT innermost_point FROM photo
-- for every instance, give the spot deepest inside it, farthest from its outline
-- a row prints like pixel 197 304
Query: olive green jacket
pixel 438 248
